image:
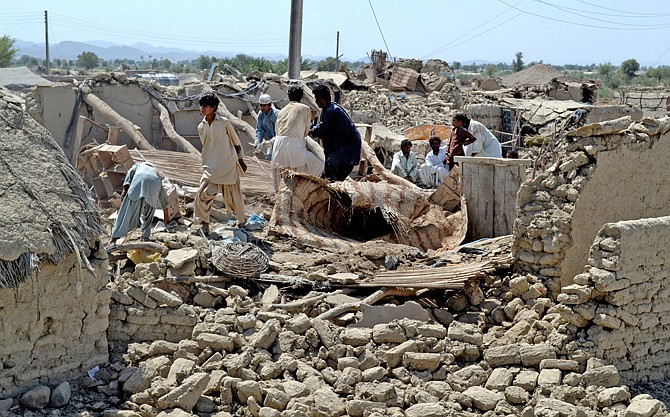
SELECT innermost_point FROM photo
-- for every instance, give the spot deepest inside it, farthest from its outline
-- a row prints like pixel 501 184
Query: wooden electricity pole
pixel 294 42
pixel 46 38
pixel 337 52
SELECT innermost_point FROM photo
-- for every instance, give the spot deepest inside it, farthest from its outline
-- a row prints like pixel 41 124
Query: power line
pixel 599 20
pixel 579 24
pixel 380 30
pixel 625 12
pixel 446 46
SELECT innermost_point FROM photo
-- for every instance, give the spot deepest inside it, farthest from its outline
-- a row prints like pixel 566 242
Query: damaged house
pixel 52 272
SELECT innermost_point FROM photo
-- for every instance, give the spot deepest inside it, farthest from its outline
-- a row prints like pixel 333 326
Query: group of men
pixel 468 138
pixel 291 129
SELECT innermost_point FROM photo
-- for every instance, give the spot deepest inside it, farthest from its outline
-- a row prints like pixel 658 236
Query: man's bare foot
pixel 205 228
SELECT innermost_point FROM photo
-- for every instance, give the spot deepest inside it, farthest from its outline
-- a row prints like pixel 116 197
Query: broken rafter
pixel 175 137
pixel 125 124
pixel 369 300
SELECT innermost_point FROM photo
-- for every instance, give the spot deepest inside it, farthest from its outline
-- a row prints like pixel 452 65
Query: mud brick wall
pixel 489 115
pixel 147 313
pixel 53 326
pixel 605 173
pixel 621 303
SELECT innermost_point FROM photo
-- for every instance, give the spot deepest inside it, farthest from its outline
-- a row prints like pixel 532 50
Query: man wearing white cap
pixel 265 126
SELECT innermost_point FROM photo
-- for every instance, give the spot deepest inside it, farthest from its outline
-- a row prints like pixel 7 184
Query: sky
pixel 553 31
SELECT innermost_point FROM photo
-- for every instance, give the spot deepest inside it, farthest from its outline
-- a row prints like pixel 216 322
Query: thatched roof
pixel 46 211
pixel 538 74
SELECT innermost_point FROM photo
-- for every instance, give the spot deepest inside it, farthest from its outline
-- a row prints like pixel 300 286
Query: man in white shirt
pixel 404 162
pixel 435 169
pixel 486 145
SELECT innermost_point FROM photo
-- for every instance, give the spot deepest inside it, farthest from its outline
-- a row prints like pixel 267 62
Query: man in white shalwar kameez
pixel 434 170
pixel 486 145
pixel 290 149
pixel 404 162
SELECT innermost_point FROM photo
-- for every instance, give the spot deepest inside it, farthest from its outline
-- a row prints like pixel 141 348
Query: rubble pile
pixel 502 358
pixel 400 111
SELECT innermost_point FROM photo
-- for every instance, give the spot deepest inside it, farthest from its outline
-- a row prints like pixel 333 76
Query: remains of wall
pixel 488 114
pixel 53 326
pixel 607 172
pixel 145 312
pixel 621 302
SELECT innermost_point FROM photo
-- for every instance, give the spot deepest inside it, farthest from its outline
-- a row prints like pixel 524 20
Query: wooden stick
pixel 299 304
pixel 369 300
pixel 175 137
pixel 212 289
pixel 127 126
pixel 185 279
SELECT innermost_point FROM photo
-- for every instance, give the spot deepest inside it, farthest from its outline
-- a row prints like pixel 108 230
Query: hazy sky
pixel 552 31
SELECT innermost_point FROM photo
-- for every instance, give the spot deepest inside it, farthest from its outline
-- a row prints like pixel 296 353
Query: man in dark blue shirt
pixel 340 138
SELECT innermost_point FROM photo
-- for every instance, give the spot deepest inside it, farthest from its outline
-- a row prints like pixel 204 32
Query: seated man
pixel 486 145
pixel 142 194
pixel 404 162
pixel 435 169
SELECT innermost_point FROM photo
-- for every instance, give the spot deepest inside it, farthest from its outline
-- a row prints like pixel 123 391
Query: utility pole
pixel 46 38
pixel 337 52
pixel 294 41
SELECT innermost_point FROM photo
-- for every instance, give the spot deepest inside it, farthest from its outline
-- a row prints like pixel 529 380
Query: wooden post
pixel 363 165
pixel 79 133
pixel 490 186
pixel 113 135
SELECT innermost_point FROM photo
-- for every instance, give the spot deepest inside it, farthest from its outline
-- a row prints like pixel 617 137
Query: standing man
pixel 404 162
pixel 486 145
pixel 340 138
pixel 459 138
pixel 434 170
pixel 290 146
pixel 142 194
pixel 265 126
pixel 222 164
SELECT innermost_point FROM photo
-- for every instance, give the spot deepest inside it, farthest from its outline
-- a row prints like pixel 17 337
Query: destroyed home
pixel 365 297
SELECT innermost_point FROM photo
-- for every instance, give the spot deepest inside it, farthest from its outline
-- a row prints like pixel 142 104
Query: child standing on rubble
pixel 459 138
pixel 222 164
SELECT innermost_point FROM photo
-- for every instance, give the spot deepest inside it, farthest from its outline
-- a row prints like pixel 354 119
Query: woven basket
pixel 243 260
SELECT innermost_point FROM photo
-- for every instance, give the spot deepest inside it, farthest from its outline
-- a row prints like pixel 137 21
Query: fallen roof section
pixel 20 78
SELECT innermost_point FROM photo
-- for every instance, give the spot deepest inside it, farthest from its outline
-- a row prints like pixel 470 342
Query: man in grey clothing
pixel 142 194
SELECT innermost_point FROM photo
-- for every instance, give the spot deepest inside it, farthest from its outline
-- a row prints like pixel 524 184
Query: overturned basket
pixel 243 260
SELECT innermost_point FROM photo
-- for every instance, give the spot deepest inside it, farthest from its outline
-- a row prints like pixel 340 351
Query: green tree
pixel 88 60
pixel 7 51
pixel 456 65
pixel 203 62
pixel 629 67
pixel 659 73
pixel 490 70
pixel 517 64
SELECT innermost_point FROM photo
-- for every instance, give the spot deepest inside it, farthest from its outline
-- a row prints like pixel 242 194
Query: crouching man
pixel 142 194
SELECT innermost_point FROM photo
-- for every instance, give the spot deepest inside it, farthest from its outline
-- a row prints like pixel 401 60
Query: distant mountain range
pixel 109 51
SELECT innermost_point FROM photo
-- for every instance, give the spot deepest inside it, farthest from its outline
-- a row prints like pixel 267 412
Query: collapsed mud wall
pixel 621 302
pixel 53 326
pixel 609 172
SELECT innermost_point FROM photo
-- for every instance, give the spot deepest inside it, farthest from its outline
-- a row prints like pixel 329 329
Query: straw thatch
pixel 538 74
pixel 46 211
pixel 337 216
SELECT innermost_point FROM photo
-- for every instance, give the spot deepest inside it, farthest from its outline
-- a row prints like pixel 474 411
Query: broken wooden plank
pixel 156 247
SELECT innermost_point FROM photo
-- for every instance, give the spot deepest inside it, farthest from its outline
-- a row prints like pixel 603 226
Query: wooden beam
pixel 94 101
pixel 172 134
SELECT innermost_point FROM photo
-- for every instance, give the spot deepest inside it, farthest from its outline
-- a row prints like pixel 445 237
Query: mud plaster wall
pixel 621 303
pixel 52 108
pixel 56 328
pixel 628 184
pixel 599 179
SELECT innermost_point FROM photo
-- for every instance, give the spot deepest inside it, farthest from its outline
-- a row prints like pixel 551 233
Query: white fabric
pixel 486 145
pixel 291 148
pixel 404 167
pixel 433 172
